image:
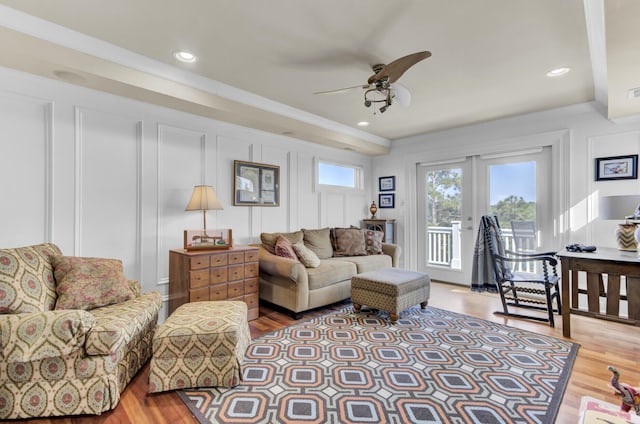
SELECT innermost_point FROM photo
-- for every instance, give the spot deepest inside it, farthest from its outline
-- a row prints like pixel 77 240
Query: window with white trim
pixel 339 175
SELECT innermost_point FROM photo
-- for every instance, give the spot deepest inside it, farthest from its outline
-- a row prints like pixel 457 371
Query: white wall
pixel 579 133
pixel 101 175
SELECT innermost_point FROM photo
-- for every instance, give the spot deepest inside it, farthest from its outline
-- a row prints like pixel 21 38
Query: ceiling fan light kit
pixel 382 82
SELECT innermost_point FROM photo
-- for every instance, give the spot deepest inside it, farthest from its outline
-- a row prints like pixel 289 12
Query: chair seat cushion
pixel 117 325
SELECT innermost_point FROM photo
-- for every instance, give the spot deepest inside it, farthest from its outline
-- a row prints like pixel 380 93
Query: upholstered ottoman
pixel 390 289
pixel 201 344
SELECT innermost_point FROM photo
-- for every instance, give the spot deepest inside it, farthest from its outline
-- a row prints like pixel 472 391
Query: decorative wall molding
pixel 80 114
pixel 163 130
pixel 46 148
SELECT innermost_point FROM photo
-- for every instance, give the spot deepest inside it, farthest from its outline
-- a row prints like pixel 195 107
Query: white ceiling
pixel 261 61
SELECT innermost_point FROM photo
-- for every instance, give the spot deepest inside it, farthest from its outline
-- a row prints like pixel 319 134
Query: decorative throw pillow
pixel 319 241
pixel 349 242
pixel 284 248
pixel 89 283
pixel 26 279
pixel 269 239
pixel 306 255
pixel 373 240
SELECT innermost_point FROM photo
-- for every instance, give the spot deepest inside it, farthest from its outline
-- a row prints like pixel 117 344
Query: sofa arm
pixel 392 250
pixel 281 267
pixel 39 335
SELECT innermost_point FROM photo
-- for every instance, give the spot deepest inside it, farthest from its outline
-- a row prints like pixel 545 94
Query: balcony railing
pixel 443 245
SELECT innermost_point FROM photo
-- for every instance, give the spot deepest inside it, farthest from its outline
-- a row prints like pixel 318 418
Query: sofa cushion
pixel 330 272
pixel 319 241
pixel 373 240
pixel 88 283
pixel 349 242
pixel 306 255
pixel 120 324
pixel 26 279
pixel 367 263
pixel 284 248
pixel 269 239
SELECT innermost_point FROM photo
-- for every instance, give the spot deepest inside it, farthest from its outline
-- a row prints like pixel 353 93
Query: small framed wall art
pixel 617 168
pixel 386 200
pixel 256 184
pixel 387 183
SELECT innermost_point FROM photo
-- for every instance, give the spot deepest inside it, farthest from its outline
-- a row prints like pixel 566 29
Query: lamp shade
pixel 618 207
pixel 203 198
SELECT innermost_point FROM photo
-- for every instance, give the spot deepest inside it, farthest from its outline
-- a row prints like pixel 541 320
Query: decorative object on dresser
pixel 256 184
pixel 387 183
pixel 617 168
pixel 203 199
pixel 386 226
pixel 221 275
pixel 373 209
pixel 618 208
pixel 220 239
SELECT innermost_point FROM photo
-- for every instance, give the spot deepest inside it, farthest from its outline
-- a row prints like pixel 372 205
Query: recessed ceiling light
pixel 187 57
pixel 363 124
pixel 558 71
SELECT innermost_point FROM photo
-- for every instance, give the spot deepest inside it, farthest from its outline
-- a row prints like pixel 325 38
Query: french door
pixel 453 195
pixel 445 219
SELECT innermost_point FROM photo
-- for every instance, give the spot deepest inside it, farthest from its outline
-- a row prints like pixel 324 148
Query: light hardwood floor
pixel 602 343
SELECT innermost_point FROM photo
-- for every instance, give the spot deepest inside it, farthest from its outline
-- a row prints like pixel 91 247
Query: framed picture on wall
pixel 256 184
pixel 387 183
pixel 617 168
pixel 387 200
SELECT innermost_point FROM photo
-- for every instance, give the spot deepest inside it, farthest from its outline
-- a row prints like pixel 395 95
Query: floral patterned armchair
pixel 73 332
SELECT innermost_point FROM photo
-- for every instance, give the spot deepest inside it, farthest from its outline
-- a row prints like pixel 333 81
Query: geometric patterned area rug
pixel 432 366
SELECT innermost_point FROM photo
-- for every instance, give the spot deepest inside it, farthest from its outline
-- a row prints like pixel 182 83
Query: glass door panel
pixel 443 221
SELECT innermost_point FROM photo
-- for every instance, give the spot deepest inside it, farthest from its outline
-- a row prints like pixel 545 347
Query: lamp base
pixel 625 235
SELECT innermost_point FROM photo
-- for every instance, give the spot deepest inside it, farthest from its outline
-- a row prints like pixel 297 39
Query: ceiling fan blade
pixel 340 90
pixel 401 94
pixel 395 69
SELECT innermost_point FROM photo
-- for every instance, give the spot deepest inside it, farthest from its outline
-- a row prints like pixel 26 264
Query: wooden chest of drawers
pixel 214 275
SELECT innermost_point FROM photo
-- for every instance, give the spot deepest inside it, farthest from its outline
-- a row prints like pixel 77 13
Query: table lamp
pixel 627 208
pixel 203 199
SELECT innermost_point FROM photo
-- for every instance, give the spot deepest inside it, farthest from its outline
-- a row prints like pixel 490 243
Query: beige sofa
pixel 76 360
pixel 290 284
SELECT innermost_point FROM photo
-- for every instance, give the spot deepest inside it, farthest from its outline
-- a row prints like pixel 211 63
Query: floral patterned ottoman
pixel 391 289
pixel 202 344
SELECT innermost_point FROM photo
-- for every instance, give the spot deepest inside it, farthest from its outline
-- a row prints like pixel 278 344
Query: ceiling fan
pixel 381 87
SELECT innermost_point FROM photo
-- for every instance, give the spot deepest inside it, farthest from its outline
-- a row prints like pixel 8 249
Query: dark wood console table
pixel 615 264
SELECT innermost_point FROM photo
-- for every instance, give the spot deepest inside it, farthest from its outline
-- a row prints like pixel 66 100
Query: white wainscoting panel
pixel 25 168
pixel 276 219
pixel 334 209
pixel 181 166
pixel 307 200
pixel 108 169
pixel 241 219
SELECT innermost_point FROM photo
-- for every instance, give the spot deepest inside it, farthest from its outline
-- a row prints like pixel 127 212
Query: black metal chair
pixel 523 289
